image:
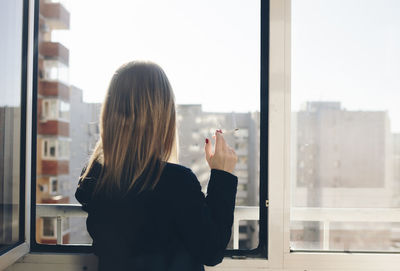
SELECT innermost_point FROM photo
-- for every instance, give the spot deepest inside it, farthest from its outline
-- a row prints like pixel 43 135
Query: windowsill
pixel 292 261
pixel 13 255
pixel 81 260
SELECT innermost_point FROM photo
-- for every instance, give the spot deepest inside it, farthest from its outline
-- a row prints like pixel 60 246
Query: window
pixel 55 149
pixel 49 227
pixel 226 94
pixel 49 148
pixel 64 110
pixel 346 123
pixel 295 230
pixel 13 55
pixel 53 185
pixel 55 70
pixel 63 149
pixel 54 109
pixel 50 109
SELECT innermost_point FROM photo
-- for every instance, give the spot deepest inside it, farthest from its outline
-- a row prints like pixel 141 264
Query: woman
pixel 145 213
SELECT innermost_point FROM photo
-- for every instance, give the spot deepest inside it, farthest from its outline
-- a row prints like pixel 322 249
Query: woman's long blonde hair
pixel 137 129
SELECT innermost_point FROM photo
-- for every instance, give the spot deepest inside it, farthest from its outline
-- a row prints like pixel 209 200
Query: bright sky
pixel 348 51
pixel 209 49
pixel 342 50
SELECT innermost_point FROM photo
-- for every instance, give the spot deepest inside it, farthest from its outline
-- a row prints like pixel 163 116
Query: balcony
pixel 54 51
pixel 54 167
pixel 246 213
pixel 56 15
pixel 54 89
pixel 62 211
pixel 54 127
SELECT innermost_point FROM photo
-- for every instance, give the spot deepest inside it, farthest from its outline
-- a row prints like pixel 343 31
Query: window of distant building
pixel 55 149
pixel 53 185
pixel 55 109
pixel 55 70
pixel 49 227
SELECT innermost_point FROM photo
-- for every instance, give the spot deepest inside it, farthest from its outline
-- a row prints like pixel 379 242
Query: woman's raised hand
pixel 224 157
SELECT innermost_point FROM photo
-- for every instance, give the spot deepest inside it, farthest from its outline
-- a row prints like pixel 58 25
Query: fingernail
pixel 220 131
pixel 206 140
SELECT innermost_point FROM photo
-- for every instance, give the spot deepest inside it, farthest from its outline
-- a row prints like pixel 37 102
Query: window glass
pixel 46 108
pixel 45 148
pixel 53 149
pixel 63 149
pixel 49 227
pixel 53 185
pixel 345 125
pixel 213 65
pixel 55 70
pixel 49 148
pixel 50 109
pixel 56 148
pixel 55 109
pixel 11 12
pixel 64 110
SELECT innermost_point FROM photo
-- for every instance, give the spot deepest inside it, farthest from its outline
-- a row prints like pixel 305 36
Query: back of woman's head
pixel 137 129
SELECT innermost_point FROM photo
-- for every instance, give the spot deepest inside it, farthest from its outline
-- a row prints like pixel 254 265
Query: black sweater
pixel 173 227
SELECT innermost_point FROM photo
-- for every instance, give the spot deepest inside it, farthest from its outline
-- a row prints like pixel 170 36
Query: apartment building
pixel 342 159
pixel 340 152
pixel 53 117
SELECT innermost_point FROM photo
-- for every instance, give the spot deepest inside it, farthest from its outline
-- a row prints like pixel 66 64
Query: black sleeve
pixel 205 223
pixel 86 185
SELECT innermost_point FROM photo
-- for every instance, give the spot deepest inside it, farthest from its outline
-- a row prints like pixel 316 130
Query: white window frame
pixel 280 255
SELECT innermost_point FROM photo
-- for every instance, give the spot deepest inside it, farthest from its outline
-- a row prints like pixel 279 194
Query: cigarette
pixel 230 132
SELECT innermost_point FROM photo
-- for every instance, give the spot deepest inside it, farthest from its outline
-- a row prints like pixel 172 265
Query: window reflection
pixel 10 120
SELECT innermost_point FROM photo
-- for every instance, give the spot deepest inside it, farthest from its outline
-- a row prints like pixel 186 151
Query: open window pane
pixel 345 126
pixel 11 23
pixel 210 51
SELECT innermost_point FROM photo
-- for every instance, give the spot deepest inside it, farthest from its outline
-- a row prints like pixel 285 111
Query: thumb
pixel 208 150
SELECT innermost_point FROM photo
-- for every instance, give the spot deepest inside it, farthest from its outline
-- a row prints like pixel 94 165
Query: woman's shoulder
pixel 178 175
pixel 172 168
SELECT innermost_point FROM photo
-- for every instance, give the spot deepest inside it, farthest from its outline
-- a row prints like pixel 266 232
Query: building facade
pixel 341 159
pixel 53 117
